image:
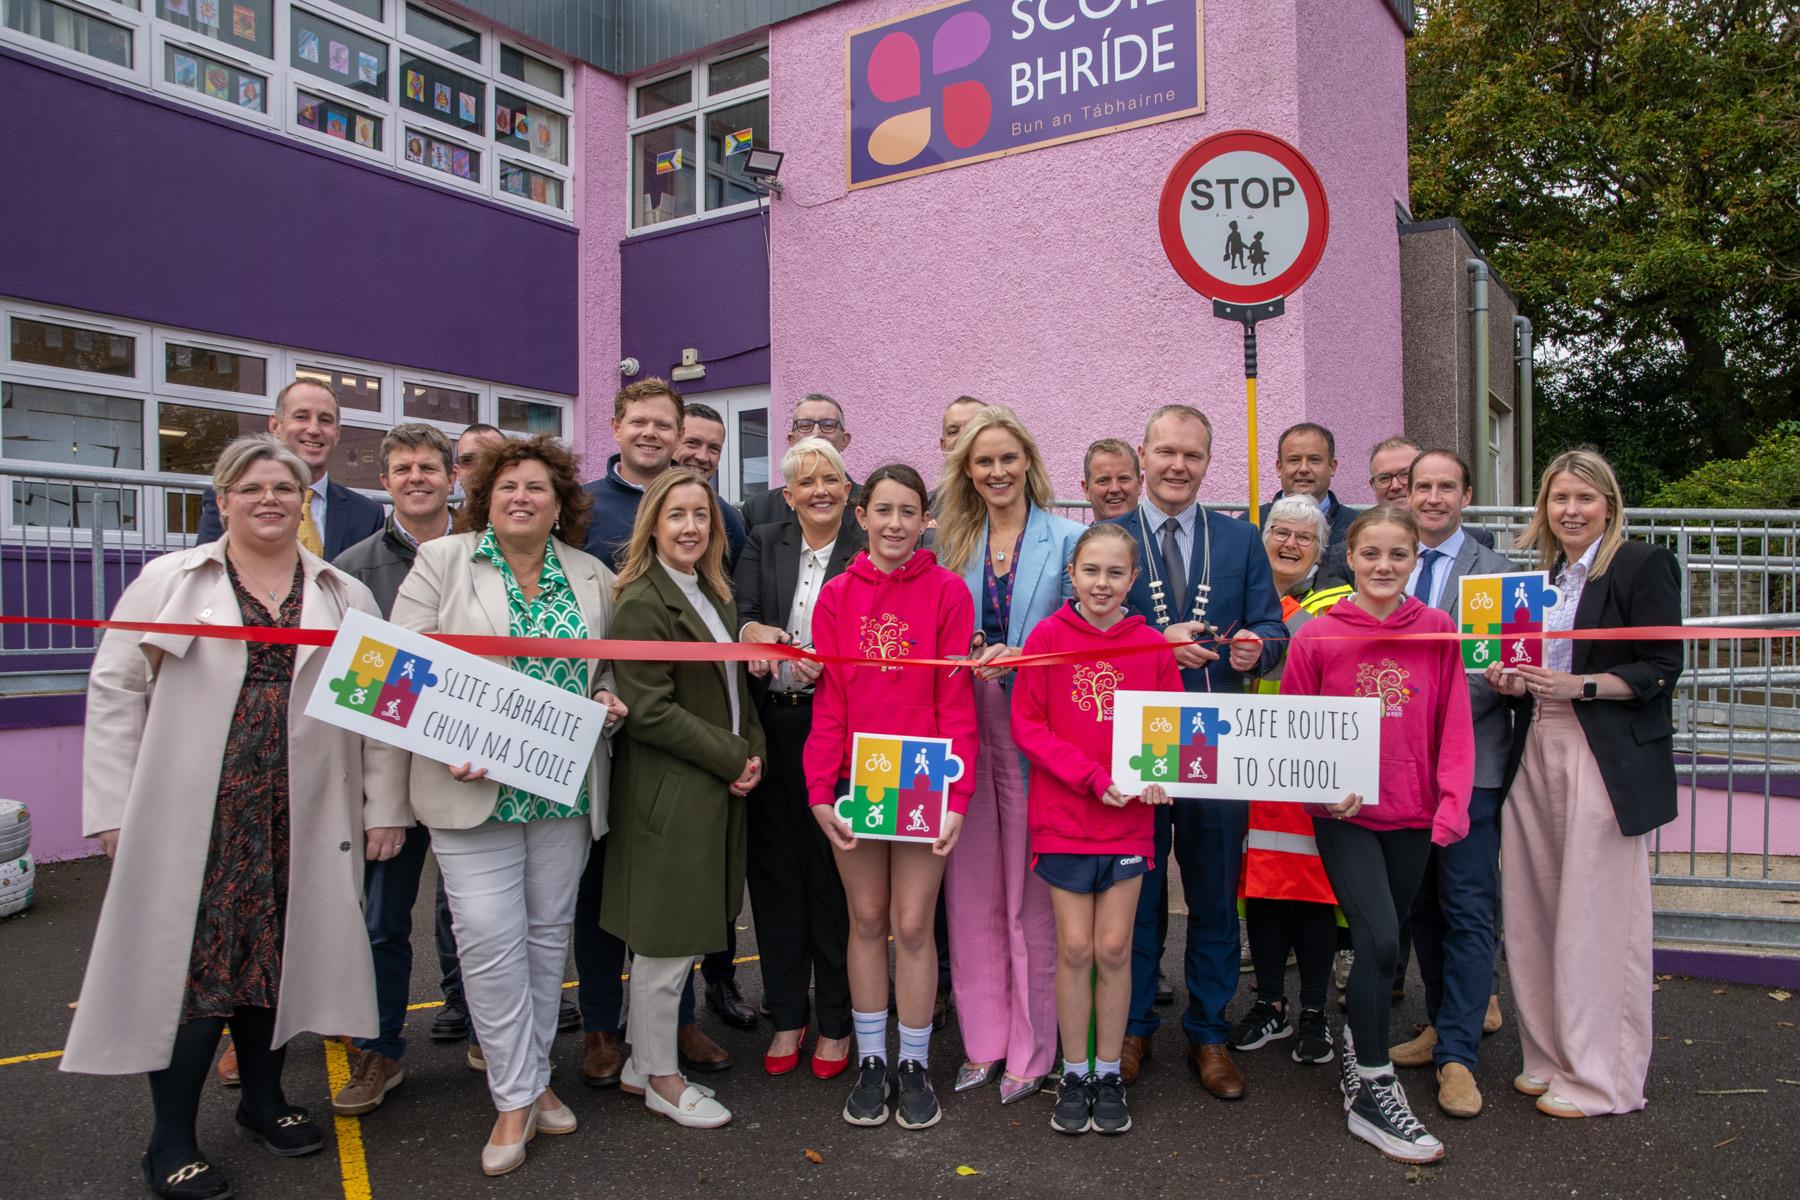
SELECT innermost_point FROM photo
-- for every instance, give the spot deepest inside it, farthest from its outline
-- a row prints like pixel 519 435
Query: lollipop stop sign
pixel 1243 219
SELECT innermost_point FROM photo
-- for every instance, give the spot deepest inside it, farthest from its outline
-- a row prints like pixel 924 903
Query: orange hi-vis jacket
pixel 1281 859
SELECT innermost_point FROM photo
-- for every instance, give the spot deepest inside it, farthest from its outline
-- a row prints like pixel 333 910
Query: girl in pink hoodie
pixel 1376 856
pixel 1090 842
pixel 892 602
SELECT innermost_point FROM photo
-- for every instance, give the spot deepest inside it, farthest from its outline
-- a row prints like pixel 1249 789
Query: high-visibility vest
pixel 1281 858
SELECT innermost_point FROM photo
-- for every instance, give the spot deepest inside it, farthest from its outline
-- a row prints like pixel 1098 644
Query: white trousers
pixel 655 1019
pixel 512 898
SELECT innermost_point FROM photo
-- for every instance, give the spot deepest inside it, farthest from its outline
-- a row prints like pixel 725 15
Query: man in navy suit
pixel 1200 575
pixel 305 420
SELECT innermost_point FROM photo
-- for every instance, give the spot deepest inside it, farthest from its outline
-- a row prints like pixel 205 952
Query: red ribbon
pixel 637 651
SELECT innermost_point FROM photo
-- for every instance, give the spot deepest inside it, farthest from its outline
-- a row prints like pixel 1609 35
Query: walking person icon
pixel 1234 247
pixel 1259 257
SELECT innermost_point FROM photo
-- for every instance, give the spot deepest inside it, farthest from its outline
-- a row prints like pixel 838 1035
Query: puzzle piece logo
pixel 355 692
pixel 899 787
pixel 411 671
pixel 383 682
pixel 1506 615
pixel 372 662
pixel 1158 764
pixel 1203 726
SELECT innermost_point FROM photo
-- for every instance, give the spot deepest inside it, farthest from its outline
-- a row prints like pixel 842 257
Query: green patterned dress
pixel 554 613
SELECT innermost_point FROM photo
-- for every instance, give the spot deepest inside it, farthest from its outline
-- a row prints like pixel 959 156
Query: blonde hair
pixel 961 511
pixel 243 453
pixel 812 447
pixel 640 551
pixel 1593 470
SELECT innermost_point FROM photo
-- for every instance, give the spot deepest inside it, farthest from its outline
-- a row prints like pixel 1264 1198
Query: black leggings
pixel 1275 926
pixel 1375 873
pixel 175 1090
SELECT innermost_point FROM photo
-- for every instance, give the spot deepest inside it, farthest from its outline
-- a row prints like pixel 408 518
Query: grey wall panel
pixel 624 36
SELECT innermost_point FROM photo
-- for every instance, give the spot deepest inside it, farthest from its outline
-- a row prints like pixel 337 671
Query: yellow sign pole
pixel 1254 512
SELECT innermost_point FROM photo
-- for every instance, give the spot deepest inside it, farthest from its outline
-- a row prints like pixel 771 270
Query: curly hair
pixel 572 499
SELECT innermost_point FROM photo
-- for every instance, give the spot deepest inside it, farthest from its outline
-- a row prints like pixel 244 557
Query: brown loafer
pixel 1135 1054
pixel 699 1052
pixel 1457 1094
pixel 1493 1020
pixel 1419 1052
pixel 228 1068
pixel 602 1058
pixel 1218 1074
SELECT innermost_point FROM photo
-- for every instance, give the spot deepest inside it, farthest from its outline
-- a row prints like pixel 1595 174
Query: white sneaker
pixel 634 1082
pixel 1530 1085
pixel 693 1110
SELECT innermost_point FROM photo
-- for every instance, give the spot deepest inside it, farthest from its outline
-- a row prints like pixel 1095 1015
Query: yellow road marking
pixel 351 1163
pixel 41 1056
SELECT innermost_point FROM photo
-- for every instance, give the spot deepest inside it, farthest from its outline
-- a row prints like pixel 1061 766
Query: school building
pixel 502 210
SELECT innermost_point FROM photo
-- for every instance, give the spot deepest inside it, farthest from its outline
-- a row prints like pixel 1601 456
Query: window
pixel 690 135
pixel 340 74
pixel 73 29
pixel 91 391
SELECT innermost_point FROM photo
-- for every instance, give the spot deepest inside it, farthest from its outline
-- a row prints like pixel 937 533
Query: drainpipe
pixel 1478 350
pixel 1527 464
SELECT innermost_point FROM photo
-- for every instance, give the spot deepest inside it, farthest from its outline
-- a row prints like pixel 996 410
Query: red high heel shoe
pixel 781 1064
pixel 829 1068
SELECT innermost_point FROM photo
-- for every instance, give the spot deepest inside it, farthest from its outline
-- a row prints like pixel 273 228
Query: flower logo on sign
pixel 895 77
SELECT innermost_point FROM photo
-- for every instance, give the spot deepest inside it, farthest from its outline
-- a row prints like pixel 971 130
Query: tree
pixel 1631 167
pixel 1767 477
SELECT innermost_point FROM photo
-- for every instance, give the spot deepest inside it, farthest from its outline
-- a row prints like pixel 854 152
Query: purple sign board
pixel 975 79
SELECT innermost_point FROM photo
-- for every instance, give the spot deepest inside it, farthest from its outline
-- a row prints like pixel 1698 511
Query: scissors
pixel 978 642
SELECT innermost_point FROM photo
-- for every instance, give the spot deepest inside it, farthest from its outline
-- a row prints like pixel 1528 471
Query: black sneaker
pixel 1314 1045
pixel 1381 1117
pixel 917 1105
pixel 196 1180
pixel 1349 1082
pixel 451 1024
pixel 1110 1113
pixel 568 1015
pixel 868 1103
pixel 292 1134
pixel 1074 1112
pixel 1264 1023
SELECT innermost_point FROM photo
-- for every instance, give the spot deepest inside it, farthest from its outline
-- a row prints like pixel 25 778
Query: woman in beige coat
pixel 512 861
pixel 234 822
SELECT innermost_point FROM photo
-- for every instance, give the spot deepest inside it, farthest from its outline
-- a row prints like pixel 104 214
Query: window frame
pixel 163 35
pixel 163 338
pixel 701 102
pixel 136 21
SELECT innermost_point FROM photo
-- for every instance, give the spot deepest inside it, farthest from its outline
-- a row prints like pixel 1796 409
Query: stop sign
pixel 1243 217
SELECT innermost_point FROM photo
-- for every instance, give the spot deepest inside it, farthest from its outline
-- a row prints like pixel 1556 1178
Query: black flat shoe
pixel 196 1180
pixel 451 1024
pixel 725 999
pixel 292 1135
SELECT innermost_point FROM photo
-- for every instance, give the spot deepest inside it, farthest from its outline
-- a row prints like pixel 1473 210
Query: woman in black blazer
pixel 1598 775
pixel 802 922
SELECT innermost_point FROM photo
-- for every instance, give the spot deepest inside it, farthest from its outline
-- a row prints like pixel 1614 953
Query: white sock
pixel 915 1044
pixel 1376 1072
pixel 871 1034
pixel 1104 1067
pixel 1075 1066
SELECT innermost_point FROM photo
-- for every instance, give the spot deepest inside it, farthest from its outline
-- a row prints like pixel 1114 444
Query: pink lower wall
pixel 601 163
pixel 1038 280
pixel 50 785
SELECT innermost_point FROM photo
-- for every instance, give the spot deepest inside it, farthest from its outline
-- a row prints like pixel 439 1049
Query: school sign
pixel 976 79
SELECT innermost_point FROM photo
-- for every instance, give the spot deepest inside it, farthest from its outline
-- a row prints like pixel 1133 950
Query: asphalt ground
pixel 81 1136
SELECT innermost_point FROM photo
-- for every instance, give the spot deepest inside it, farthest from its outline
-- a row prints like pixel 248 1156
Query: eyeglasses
pixel 284 492
pixel 1381 481
pixel 825 425
pixel 1282 533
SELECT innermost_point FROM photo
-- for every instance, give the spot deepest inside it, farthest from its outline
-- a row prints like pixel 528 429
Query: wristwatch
pixel 1590 687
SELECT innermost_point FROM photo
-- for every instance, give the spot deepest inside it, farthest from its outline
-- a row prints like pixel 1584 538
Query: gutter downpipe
pixel 1478 351
pixel 1527 463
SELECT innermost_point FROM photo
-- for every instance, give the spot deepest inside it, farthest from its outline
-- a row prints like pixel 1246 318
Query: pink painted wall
pixel 51 788
pixel 1037 280
pixel 601 163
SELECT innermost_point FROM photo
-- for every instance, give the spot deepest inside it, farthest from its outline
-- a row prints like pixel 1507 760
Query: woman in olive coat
pixel 689 753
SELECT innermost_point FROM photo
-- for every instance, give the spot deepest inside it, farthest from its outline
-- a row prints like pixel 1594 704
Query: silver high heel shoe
pixel 1013 1090
pixel 969 1076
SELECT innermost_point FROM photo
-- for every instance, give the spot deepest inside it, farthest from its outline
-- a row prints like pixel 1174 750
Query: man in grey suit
pixel 1453 916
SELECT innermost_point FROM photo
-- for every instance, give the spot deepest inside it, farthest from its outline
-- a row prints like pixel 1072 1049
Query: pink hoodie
pixel 918 611
pixel 1062 720
pixel 1427 737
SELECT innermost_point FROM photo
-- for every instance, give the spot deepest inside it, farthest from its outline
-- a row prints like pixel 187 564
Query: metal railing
pixel 71 538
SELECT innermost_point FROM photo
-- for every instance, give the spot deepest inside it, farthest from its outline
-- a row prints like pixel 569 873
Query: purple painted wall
pixel 51 789
pixel 125 204
pixel 705 286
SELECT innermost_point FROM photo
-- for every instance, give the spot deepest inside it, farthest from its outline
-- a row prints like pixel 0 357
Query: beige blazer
pixel 158 710
pixel 450 591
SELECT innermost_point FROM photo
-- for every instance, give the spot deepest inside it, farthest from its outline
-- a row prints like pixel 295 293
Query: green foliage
pixel 1767 477
pixel 1631 168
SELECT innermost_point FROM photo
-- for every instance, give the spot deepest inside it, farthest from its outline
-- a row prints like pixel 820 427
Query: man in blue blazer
pixel 1200 575
pixel 305 420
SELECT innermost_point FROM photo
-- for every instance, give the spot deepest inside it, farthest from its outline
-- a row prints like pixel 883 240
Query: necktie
pixel 1428 562
pixel 1174 569
pixel 309 532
